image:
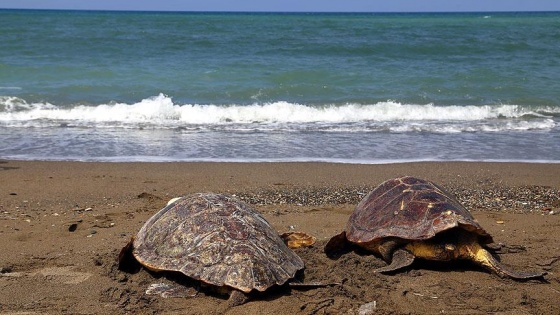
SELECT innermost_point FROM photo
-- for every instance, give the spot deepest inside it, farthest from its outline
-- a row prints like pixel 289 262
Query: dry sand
pixel 62 225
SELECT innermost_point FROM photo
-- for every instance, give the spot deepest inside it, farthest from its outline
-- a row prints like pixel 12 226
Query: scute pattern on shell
pixel 409 208
pixel 216 239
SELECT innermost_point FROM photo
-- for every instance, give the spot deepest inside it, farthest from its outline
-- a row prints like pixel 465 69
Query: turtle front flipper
pixel 236 298
pixel 401 258
pixel 485 258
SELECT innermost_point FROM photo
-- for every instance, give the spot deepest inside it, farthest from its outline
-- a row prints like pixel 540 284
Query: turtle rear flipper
pixel 485 258
pixel 401 258
pixel 168 290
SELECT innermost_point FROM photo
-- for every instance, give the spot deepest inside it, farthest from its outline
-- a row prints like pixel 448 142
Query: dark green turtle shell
pixel 409 208
pixel 216 239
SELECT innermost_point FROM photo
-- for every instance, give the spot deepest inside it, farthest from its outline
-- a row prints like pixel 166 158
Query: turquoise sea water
pixel 362 88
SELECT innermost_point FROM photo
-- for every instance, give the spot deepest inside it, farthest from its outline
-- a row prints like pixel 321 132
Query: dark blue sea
pixel 351 88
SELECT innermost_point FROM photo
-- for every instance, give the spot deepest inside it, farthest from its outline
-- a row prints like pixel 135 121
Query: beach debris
pixel 487 196
pixel 407 218
pixel 549 262
pixel 103 221
pixel 77 208
pixel 13 194
pixel 368 308
pixel 215 239
pixel 5 215
pixel 298 239
pixel 6 269
pixel 499 222
pixel 308 196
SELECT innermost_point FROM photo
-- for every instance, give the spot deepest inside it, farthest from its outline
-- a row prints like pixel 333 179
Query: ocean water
pixel 353 88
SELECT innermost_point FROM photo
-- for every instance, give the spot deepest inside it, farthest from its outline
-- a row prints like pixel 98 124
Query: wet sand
pixel 62 225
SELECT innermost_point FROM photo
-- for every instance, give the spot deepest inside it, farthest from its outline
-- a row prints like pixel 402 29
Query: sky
pixel 290 5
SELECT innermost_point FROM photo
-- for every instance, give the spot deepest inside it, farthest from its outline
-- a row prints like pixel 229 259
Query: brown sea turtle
pixel 218 240
pixel 407 218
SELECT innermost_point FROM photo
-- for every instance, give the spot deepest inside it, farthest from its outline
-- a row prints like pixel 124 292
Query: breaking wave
pixel 160 112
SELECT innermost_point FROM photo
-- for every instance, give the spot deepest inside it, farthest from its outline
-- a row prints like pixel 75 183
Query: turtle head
pixel 337 246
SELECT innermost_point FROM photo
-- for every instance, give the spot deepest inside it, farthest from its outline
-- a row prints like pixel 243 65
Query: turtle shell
pixel 216 239
pixel 409 208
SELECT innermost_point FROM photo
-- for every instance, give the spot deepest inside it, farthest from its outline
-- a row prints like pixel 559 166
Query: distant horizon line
pixel 272 12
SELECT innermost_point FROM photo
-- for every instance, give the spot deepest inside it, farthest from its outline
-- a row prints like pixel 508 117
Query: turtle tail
pixel 487 260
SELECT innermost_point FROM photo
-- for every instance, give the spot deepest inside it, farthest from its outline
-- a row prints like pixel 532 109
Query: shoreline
pixel 284 161
pixel 537 173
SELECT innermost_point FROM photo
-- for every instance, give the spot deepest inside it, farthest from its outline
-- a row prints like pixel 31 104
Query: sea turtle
pixel 218 240
pixel 407 218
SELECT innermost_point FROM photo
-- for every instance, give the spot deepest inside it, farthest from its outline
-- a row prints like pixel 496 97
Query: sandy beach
pixel 62 225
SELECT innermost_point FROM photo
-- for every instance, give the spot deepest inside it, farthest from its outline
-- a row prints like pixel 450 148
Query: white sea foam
pixel 161 112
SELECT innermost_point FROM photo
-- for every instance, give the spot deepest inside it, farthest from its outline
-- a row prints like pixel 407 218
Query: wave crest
pixel 161 112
